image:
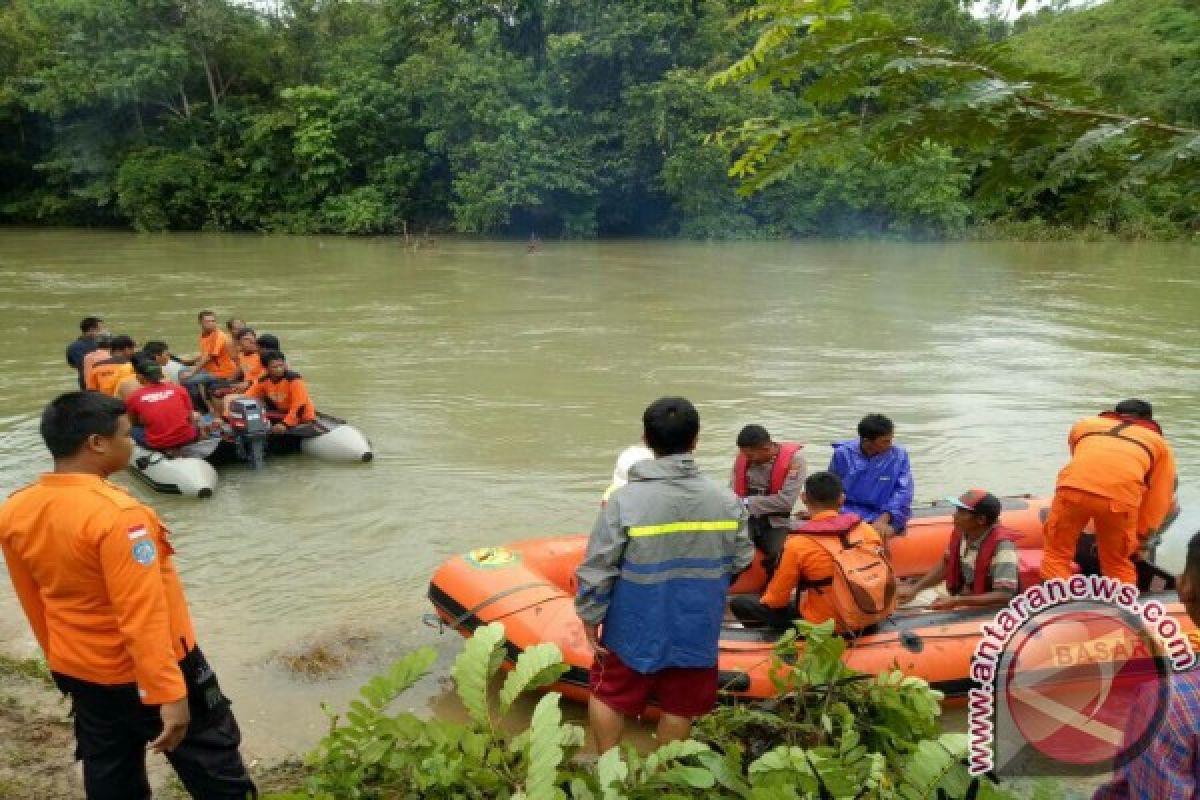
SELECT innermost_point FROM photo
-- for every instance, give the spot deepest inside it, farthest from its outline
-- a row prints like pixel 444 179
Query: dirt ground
pixel 37 744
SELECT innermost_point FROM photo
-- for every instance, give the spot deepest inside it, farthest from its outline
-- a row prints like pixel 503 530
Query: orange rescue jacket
pixel 252 367
pixel 1128 463
pixel 108 375
pixel 92 568
pixel 288 396
pixel 216 345
pixel 804 562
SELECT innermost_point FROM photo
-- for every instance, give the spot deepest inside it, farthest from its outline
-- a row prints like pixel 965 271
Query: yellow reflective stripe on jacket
pixel 695 526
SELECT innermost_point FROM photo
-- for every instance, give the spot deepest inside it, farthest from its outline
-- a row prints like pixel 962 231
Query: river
pixel 497 387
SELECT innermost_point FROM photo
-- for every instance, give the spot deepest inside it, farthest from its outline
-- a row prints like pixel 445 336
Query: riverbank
pixel 37 745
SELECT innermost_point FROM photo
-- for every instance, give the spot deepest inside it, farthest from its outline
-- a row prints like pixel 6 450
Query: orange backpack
pixel 863 586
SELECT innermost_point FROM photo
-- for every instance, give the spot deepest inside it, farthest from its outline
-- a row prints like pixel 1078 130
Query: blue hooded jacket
pixel 875 485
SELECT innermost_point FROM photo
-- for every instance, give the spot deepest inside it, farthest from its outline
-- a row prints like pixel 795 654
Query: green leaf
pixel 545 750
pixel 480 658
pixel 538 666
pixel 612 772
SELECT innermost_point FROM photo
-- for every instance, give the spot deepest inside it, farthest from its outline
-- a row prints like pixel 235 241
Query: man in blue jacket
pixel 876 475
pixel 653 584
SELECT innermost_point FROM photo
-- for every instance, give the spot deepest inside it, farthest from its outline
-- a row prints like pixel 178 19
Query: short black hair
pixel 147 367
pixel 269 341
pixel 872 426
pixel 205 313
pixel 249 330
pixel 155 348
pixel 89 324
pixel 1135 408
pixel 72 417
pixel 671 425
pixel 753 436
pixel 122 342
pixel 823 488
pixel 272 355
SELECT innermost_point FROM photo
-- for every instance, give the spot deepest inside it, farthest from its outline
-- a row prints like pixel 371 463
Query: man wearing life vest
pixel 807 565
pixel 876 474
pixel 653 584
pixel 107 375
pixel 768 477
pixel 285 393
pixel 980 565
pixel 93 571
pixel 1121 479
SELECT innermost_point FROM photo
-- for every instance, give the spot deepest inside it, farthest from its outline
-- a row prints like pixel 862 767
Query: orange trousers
pixel 1115 525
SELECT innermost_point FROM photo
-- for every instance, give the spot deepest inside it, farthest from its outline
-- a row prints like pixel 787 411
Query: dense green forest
pixel 571 118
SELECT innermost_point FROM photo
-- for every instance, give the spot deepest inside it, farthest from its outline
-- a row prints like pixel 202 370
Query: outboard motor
pixel 250 429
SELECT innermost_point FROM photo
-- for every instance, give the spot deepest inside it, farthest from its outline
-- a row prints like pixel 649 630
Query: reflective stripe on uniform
pixel 694 526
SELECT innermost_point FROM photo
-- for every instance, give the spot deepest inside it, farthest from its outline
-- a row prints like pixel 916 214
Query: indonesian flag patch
pixel 138 531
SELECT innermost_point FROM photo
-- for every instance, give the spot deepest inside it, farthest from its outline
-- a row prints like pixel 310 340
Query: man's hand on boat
pixel 592 632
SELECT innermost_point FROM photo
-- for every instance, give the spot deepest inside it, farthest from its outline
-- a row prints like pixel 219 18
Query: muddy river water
pixel 498 385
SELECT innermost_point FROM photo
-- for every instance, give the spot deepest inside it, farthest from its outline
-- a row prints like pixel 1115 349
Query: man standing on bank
pixel 768 476
pixel 653 583
pixel 1121 479
pixel 93 571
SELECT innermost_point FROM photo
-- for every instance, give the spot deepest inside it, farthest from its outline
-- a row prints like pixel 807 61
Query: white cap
pixel 629 456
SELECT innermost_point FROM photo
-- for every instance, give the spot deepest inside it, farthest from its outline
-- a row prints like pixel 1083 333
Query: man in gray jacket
pixel 653 585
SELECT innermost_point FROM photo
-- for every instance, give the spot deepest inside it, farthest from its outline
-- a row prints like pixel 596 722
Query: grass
pixel 31 669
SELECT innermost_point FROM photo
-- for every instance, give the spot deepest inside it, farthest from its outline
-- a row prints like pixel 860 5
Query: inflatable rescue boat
pixel 182 471
pixel 529 586
pixel 189 470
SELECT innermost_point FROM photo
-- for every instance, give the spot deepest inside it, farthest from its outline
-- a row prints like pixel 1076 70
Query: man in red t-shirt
pixel 160 411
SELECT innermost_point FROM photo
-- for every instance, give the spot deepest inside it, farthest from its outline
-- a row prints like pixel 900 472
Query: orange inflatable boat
pixel 529 586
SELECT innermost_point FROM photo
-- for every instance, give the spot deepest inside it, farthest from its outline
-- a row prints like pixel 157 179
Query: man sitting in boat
pixel 106 375
pixel 161 412
pixel 103 342
pixel 285 394
pixel 807 565
pixel 980 566
pixel 90 329
pixel 876 475
pixel 768 475
pixel 216 365
pixel 249 360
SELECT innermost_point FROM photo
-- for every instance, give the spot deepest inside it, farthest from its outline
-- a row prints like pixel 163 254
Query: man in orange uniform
pixel 107 375
pixel 102 351
pixel 93 571
pixel 285 392
pixel 806 565
pixel 1121 478
pixel 249 360
pixel 217 362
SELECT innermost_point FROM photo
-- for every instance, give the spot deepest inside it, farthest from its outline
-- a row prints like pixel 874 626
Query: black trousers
pixel 112 728
pixel 753 614
pixel 769 540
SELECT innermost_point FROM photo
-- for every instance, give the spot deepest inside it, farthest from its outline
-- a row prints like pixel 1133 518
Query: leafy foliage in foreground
pixel 832 733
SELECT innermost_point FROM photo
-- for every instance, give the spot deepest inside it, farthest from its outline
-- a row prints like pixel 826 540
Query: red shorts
pixel 681 691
